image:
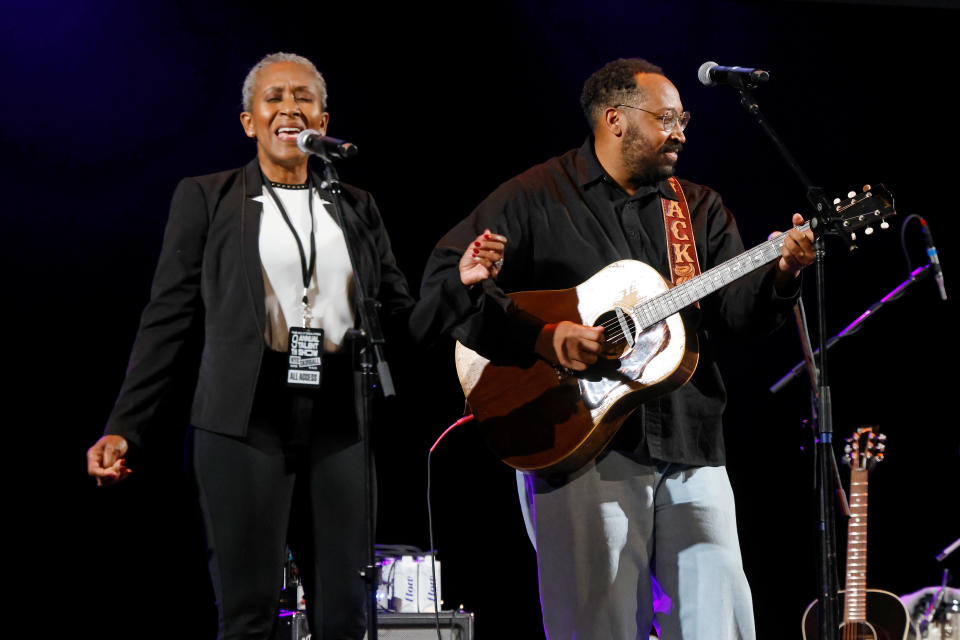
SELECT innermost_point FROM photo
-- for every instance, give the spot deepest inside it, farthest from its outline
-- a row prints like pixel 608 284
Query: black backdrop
pixel 109 104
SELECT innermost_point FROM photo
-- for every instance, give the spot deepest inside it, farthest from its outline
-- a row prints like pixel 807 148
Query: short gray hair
pixel 251 79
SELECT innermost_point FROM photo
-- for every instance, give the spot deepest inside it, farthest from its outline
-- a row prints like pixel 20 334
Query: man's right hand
pixel 574 346
pixel 105 460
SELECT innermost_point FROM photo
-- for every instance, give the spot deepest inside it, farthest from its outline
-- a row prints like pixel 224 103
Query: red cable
pixel 466 418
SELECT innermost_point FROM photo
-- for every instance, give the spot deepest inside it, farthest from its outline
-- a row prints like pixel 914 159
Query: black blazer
pixel 208 290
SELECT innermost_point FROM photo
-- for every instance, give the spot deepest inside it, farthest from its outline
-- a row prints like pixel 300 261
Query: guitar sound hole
pixel 619 333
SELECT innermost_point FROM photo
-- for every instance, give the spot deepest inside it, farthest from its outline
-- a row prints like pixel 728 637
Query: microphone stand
pixel 953 546
pixel 821 224
pixel 917 274
pixel 809 354
pixel 853 327
pixel 370 365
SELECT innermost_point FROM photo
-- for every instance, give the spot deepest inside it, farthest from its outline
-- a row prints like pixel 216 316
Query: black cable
pixel 903 242
pixel 433 551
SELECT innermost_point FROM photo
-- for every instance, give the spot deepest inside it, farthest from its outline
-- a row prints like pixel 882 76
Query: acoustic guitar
pixel 868 614
pixel 547 420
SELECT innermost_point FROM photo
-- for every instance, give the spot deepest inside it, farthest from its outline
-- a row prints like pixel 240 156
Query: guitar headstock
pixel 874 204
pixel 864 449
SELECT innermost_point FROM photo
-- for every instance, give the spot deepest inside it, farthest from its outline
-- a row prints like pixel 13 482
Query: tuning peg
pixel 882 437
pixel 847 449
pixel 853 236
pixel 852 194
pixel 879 457
pixel 836 201
pixel 866 188
pixel 868 231
pixel 884 225
pixel 880 447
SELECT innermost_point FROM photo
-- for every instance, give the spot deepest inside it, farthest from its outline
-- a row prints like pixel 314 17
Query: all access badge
pixel 305 358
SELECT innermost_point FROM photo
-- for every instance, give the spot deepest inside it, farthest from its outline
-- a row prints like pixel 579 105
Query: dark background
pixel 107 105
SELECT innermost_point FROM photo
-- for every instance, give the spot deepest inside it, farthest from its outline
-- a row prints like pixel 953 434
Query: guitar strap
pixel 681 249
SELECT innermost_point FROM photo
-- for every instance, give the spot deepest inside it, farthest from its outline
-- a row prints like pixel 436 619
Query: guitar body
pixel 886 619
pixel 547 420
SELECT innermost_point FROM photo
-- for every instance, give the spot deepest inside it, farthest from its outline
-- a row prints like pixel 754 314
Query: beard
pixel 644 163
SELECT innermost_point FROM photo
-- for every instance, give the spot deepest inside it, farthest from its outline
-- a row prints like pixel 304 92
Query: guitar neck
pixel 661 306
pixel 855 602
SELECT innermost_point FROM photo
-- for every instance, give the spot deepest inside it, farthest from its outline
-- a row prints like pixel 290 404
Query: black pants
pixel 297 479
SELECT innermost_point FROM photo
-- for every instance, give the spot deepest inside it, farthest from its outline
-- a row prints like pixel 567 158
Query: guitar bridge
pixel 625 329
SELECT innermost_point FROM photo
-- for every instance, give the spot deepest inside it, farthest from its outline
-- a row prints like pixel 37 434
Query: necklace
pixel 281 185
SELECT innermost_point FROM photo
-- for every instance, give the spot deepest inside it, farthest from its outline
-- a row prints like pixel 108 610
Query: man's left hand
pixel 797 253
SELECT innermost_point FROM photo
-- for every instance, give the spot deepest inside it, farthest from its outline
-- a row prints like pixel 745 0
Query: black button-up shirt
pixel 565 220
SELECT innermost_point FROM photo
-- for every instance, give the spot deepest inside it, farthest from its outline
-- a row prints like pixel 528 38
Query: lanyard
pixel 305 269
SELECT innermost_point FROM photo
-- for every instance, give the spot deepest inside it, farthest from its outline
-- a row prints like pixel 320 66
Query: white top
pixel 329 296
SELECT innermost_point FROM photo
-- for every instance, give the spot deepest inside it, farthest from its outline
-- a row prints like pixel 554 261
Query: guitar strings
pixel 619 334
pixel 676 295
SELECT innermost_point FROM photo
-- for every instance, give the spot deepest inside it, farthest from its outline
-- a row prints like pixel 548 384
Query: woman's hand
pixel 105 460
pixel 483 258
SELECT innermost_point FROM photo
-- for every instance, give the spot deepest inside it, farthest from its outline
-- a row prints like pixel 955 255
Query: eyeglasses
pixel 670 119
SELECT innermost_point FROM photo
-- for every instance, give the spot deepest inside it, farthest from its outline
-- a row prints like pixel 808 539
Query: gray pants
pixel 625 546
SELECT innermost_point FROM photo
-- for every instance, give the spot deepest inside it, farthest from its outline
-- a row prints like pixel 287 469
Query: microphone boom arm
pixel 917 274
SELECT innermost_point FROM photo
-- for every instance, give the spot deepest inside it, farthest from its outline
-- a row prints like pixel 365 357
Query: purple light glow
pixel 661 602
pixel 893 294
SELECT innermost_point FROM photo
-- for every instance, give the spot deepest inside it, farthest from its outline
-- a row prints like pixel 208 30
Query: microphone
pixel 711 74
pixel 311 141
pixel 933 258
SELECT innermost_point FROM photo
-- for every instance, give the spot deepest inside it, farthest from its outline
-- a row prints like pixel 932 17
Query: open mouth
pixel 289 134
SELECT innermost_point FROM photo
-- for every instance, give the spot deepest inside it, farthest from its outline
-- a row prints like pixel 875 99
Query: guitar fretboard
pixel 855 600
pixel 661 306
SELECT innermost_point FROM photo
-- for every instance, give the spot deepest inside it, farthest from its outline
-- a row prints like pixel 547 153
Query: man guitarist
pixel 656 507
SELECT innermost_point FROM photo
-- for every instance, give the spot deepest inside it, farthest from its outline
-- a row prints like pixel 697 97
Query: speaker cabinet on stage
pixel 454 625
